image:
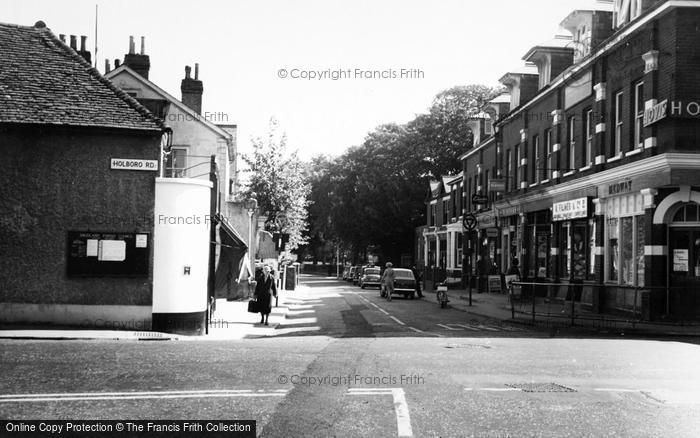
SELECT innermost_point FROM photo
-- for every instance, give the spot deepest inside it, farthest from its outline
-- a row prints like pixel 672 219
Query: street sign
pixel 469 221
pixel 480 199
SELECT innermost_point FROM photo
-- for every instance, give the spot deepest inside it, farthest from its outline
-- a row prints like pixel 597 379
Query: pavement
pixel 231 320
pixel 557 314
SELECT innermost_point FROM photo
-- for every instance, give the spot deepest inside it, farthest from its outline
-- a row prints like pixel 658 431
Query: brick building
pixel 76 227
pixel 593 167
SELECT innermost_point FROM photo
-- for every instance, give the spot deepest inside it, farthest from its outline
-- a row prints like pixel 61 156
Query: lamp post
pixel 251 206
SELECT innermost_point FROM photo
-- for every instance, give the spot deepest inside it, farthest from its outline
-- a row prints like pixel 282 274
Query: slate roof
pixel 44 81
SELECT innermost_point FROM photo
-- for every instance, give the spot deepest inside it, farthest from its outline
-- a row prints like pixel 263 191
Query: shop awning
pixel 232 250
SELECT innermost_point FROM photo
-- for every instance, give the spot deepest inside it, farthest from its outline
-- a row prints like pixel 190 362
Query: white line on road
pixel 448 328
pixel 416 330
pixel 397 320
pixel 8 398
pixel 468 327
pixel 383 311
pixel 403 418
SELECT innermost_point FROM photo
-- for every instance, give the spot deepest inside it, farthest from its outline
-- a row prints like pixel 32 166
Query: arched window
pixel 688 213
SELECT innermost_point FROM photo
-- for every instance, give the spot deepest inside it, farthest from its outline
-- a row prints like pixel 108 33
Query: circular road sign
pixel 469 221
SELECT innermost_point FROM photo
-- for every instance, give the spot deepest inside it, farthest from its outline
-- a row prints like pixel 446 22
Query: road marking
pixel 492 329
pixel 68 396
pixel 403 418
pixel 448 328
pixel 397 320
pixel 468 327
pixel 416 330
pixel 493 389
pixel 383 311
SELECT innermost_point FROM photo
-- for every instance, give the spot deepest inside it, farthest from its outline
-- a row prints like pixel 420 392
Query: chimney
pixel 62 37
pixel 107 67
pixel 138 62
pixel 117 63
pixel 73 42
pixel 192 89
pixel 82 52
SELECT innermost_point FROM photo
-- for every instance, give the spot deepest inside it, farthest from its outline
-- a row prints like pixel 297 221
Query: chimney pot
pixel 131 45
pixel 117 63
pixel 196 71
pixel 73 42
pixel 83 39
pixel 188 69
pixel 107 68
pixel 143 45
pixel 62 37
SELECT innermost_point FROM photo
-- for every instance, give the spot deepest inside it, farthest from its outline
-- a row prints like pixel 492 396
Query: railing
pixel 199 166
pixel 596 304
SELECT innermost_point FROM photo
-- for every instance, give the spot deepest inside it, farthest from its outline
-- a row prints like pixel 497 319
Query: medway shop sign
pixel 133 164
pixel 573 209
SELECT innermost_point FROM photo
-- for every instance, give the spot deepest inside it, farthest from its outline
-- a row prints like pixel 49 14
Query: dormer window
pixel 625 11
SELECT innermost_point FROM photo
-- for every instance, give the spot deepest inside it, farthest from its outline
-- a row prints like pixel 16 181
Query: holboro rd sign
pixel 132 164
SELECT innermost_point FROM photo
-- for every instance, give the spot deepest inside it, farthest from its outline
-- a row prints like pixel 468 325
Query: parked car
pixel 351 274
pixel 404 283
pixel 346 272
pixel 357 274
pixel 370 277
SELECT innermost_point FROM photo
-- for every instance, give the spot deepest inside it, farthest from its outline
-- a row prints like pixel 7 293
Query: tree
pixel 277 180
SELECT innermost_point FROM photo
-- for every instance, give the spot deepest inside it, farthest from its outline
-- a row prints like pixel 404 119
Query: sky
pixel 258 58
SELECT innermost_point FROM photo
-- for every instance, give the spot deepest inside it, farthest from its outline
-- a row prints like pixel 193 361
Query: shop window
pixel 591 247
pixel 625 228
pixel 565 249
pixel 613 249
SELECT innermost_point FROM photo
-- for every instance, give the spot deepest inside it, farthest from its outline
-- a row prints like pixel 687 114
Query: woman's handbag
pixel 253 306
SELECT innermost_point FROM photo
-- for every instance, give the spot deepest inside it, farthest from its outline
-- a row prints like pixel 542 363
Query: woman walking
pixel 265 289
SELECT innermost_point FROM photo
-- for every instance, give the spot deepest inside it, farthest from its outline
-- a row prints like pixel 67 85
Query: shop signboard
pixel 494 282
pixel 680 260
pixel 572 209
pixel 487 221
pixel 655 113
pixel 492 232
pixel 497 185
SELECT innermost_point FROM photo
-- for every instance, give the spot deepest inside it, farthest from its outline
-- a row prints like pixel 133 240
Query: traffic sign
pixel 469 221
pixel 479 199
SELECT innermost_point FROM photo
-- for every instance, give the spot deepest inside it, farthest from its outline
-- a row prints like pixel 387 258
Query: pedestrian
pixel 416 275
pixel 265 289
pixel 387 280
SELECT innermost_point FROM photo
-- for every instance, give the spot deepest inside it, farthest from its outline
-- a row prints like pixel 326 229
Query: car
pixel 404 283
pixel 351 274
pixel 346 272
pixel 370 277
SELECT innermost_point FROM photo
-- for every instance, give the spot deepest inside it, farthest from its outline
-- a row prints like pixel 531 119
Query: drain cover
pixel 540 387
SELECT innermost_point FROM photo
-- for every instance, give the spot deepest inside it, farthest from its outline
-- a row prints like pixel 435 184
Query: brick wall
pixel 58 180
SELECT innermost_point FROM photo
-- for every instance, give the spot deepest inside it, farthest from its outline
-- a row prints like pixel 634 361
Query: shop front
pixel 488 259
pixel 573 245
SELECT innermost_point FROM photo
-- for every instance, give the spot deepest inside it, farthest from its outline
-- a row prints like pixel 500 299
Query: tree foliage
pixel 278 182
pixel 374 194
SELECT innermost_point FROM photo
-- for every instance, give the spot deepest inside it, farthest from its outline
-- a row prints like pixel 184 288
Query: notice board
pixel 105 254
